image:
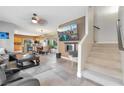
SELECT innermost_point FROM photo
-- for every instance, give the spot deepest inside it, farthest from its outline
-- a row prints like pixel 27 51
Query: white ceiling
pixel 55 15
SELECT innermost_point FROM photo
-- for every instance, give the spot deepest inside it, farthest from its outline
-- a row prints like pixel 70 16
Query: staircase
pixel 103 65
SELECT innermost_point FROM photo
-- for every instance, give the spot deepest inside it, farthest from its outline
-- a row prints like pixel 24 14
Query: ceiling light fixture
pixel 34 21
pixel 37 19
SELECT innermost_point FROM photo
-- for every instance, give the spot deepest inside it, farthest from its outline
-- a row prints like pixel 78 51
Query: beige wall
pixel 81 27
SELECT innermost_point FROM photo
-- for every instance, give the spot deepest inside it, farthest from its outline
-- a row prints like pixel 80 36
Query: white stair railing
pixel 121 46
pixel 84 45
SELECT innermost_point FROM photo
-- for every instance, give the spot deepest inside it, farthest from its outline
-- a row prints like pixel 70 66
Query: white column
pixel 79 61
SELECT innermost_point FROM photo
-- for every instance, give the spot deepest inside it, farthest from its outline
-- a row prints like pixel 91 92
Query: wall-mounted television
pixel 4 35
pixel 68 33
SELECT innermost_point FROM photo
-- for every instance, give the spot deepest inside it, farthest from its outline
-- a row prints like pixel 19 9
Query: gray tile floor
pixel 53 72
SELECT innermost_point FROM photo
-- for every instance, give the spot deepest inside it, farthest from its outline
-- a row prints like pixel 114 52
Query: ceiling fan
pixel 37 20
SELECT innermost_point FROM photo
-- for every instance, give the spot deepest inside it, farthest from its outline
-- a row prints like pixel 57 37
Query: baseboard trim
pixel 107 42
pixel 65 58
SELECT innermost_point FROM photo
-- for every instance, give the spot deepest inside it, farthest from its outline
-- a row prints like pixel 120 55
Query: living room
pixel 65 49
pixel 36 42
pixel 51 43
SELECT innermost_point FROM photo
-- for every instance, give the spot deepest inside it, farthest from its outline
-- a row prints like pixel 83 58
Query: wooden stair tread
pixel 115 66
pixel 116 73
pixel 108 56
pixel 104 59
pixel 101 78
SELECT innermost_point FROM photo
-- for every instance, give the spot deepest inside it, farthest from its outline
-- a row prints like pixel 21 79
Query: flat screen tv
pixel 4 35
pixel 68 33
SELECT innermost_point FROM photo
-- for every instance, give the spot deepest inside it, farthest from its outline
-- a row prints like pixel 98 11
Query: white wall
pixel 7 43
pixel 105 18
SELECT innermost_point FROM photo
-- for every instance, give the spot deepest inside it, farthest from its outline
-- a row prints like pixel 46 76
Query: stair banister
pixel 86 42
pixel 81 53
pixel 120 37
pixel 120 26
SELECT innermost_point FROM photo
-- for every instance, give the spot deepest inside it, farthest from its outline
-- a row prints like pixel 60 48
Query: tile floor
pixel 57 72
